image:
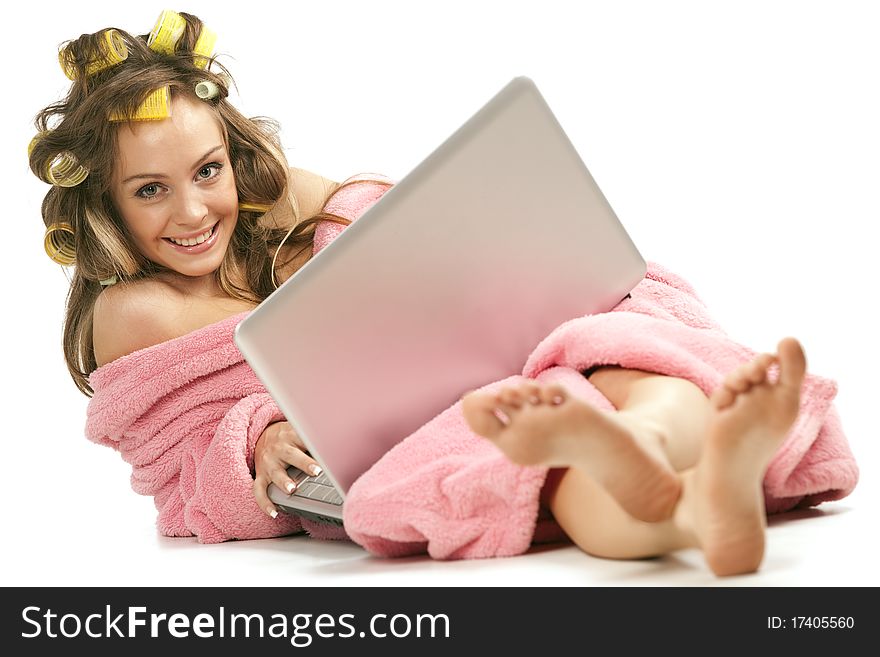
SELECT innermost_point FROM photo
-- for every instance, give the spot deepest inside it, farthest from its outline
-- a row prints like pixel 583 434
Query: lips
pixel 196 248
pixel 206 232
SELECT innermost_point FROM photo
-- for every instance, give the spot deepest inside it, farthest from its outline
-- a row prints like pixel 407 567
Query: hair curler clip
pixel 155 107
pixel 59 243
pixel 167 32
pixel 204 48
pixel 65 170
pixel 206 90
pixel 113 51
pixel 254 207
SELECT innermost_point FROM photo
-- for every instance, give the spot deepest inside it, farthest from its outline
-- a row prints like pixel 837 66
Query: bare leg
pixel 553 428
pixel 658 430
pixel 721 507
pixel 675 408
pixel 599 526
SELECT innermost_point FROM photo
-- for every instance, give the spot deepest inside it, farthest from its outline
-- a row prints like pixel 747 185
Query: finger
pixel 262 496
pixel 299 459
pixel 281 477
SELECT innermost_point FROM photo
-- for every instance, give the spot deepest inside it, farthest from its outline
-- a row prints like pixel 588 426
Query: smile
pixel 196 244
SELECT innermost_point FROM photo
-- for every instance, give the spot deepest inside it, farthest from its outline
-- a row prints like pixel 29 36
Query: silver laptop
pixel 448 283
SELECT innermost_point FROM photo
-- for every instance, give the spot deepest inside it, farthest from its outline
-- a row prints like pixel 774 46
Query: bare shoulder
pixel 132 316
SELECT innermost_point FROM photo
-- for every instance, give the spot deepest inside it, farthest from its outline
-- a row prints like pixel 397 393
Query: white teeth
pixel 193 240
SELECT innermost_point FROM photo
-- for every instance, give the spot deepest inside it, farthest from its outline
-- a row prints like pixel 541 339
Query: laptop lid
pixel 446 284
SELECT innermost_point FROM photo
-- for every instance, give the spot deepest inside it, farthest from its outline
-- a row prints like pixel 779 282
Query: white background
pixel 738 142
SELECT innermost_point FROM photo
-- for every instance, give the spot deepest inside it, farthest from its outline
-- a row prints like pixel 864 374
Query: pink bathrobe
pixel 187 413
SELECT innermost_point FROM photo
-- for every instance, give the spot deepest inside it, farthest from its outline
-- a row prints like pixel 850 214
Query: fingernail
pixel 273 513
pixel 290 487
pixel 315 470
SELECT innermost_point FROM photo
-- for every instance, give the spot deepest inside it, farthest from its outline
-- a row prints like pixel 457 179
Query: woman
pixel 173 170
pixel 181 215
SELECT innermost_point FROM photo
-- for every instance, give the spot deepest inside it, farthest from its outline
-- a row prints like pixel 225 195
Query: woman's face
pixel 174 187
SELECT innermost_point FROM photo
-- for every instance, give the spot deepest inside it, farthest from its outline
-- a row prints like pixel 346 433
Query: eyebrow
pixel 162 175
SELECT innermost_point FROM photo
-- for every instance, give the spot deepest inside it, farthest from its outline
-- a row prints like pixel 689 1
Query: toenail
pixel 502 417
pixel 534 399
pixel 558 399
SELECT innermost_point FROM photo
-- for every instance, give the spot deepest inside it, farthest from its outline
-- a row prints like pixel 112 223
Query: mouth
pixel 208 239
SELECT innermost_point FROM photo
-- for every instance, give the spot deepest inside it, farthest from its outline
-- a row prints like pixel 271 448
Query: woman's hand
pixel 278 447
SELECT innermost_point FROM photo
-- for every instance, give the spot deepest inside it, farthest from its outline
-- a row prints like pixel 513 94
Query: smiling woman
pixel 160 186
pixel 178 215
pixel 184 216
pixel 633 433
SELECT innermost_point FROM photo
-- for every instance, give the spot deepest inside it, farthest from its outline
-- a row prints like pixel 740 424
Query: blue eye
pixel 215 167
pixel 142 194
pixel 210 167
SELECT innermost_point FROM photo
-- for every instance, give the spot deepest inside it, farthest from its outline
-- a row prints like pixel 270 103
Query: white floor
pixel 831 546
pixel 735 150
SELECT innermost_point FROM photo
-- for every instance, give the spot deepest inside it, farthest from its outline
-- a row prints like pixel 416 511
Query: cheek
pixel 144 226
pixel 226 199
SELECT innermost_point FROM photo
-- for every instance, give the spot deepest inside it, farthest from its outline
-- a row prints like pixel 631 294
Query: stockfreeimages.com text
pixel 300 629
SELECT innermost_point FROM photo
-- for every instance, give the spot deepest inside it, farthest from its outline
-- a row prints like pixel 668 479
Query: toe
pixel 532 393
pixel 504 406
pixel 792 363
pixel 738 380
pixel 764 362
pixel 723 397
pixel 554 394
pixel 756 372
pixel 511 397
pixel 479 412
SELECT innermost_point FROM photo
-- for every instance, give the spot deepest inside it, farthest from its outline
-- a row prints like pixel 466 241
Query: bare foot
pixel 536 424
pixel 723 499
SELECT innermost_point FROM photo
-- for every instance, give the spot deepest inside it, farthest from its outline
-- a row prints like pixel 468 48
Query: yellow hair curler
pixel 167 32
pixel 34 141
pixel 204 47
pixel 155 107
pixel 59 243
pixel 65 170
pixel 113 51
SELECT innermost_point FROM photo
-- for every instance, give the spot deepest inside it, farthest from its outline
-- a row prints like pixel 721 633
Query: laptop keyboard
pixel 315 488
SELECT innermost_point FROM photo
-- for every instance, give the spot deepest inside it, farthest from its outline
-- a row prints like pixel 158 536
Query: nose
pixel 190 209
